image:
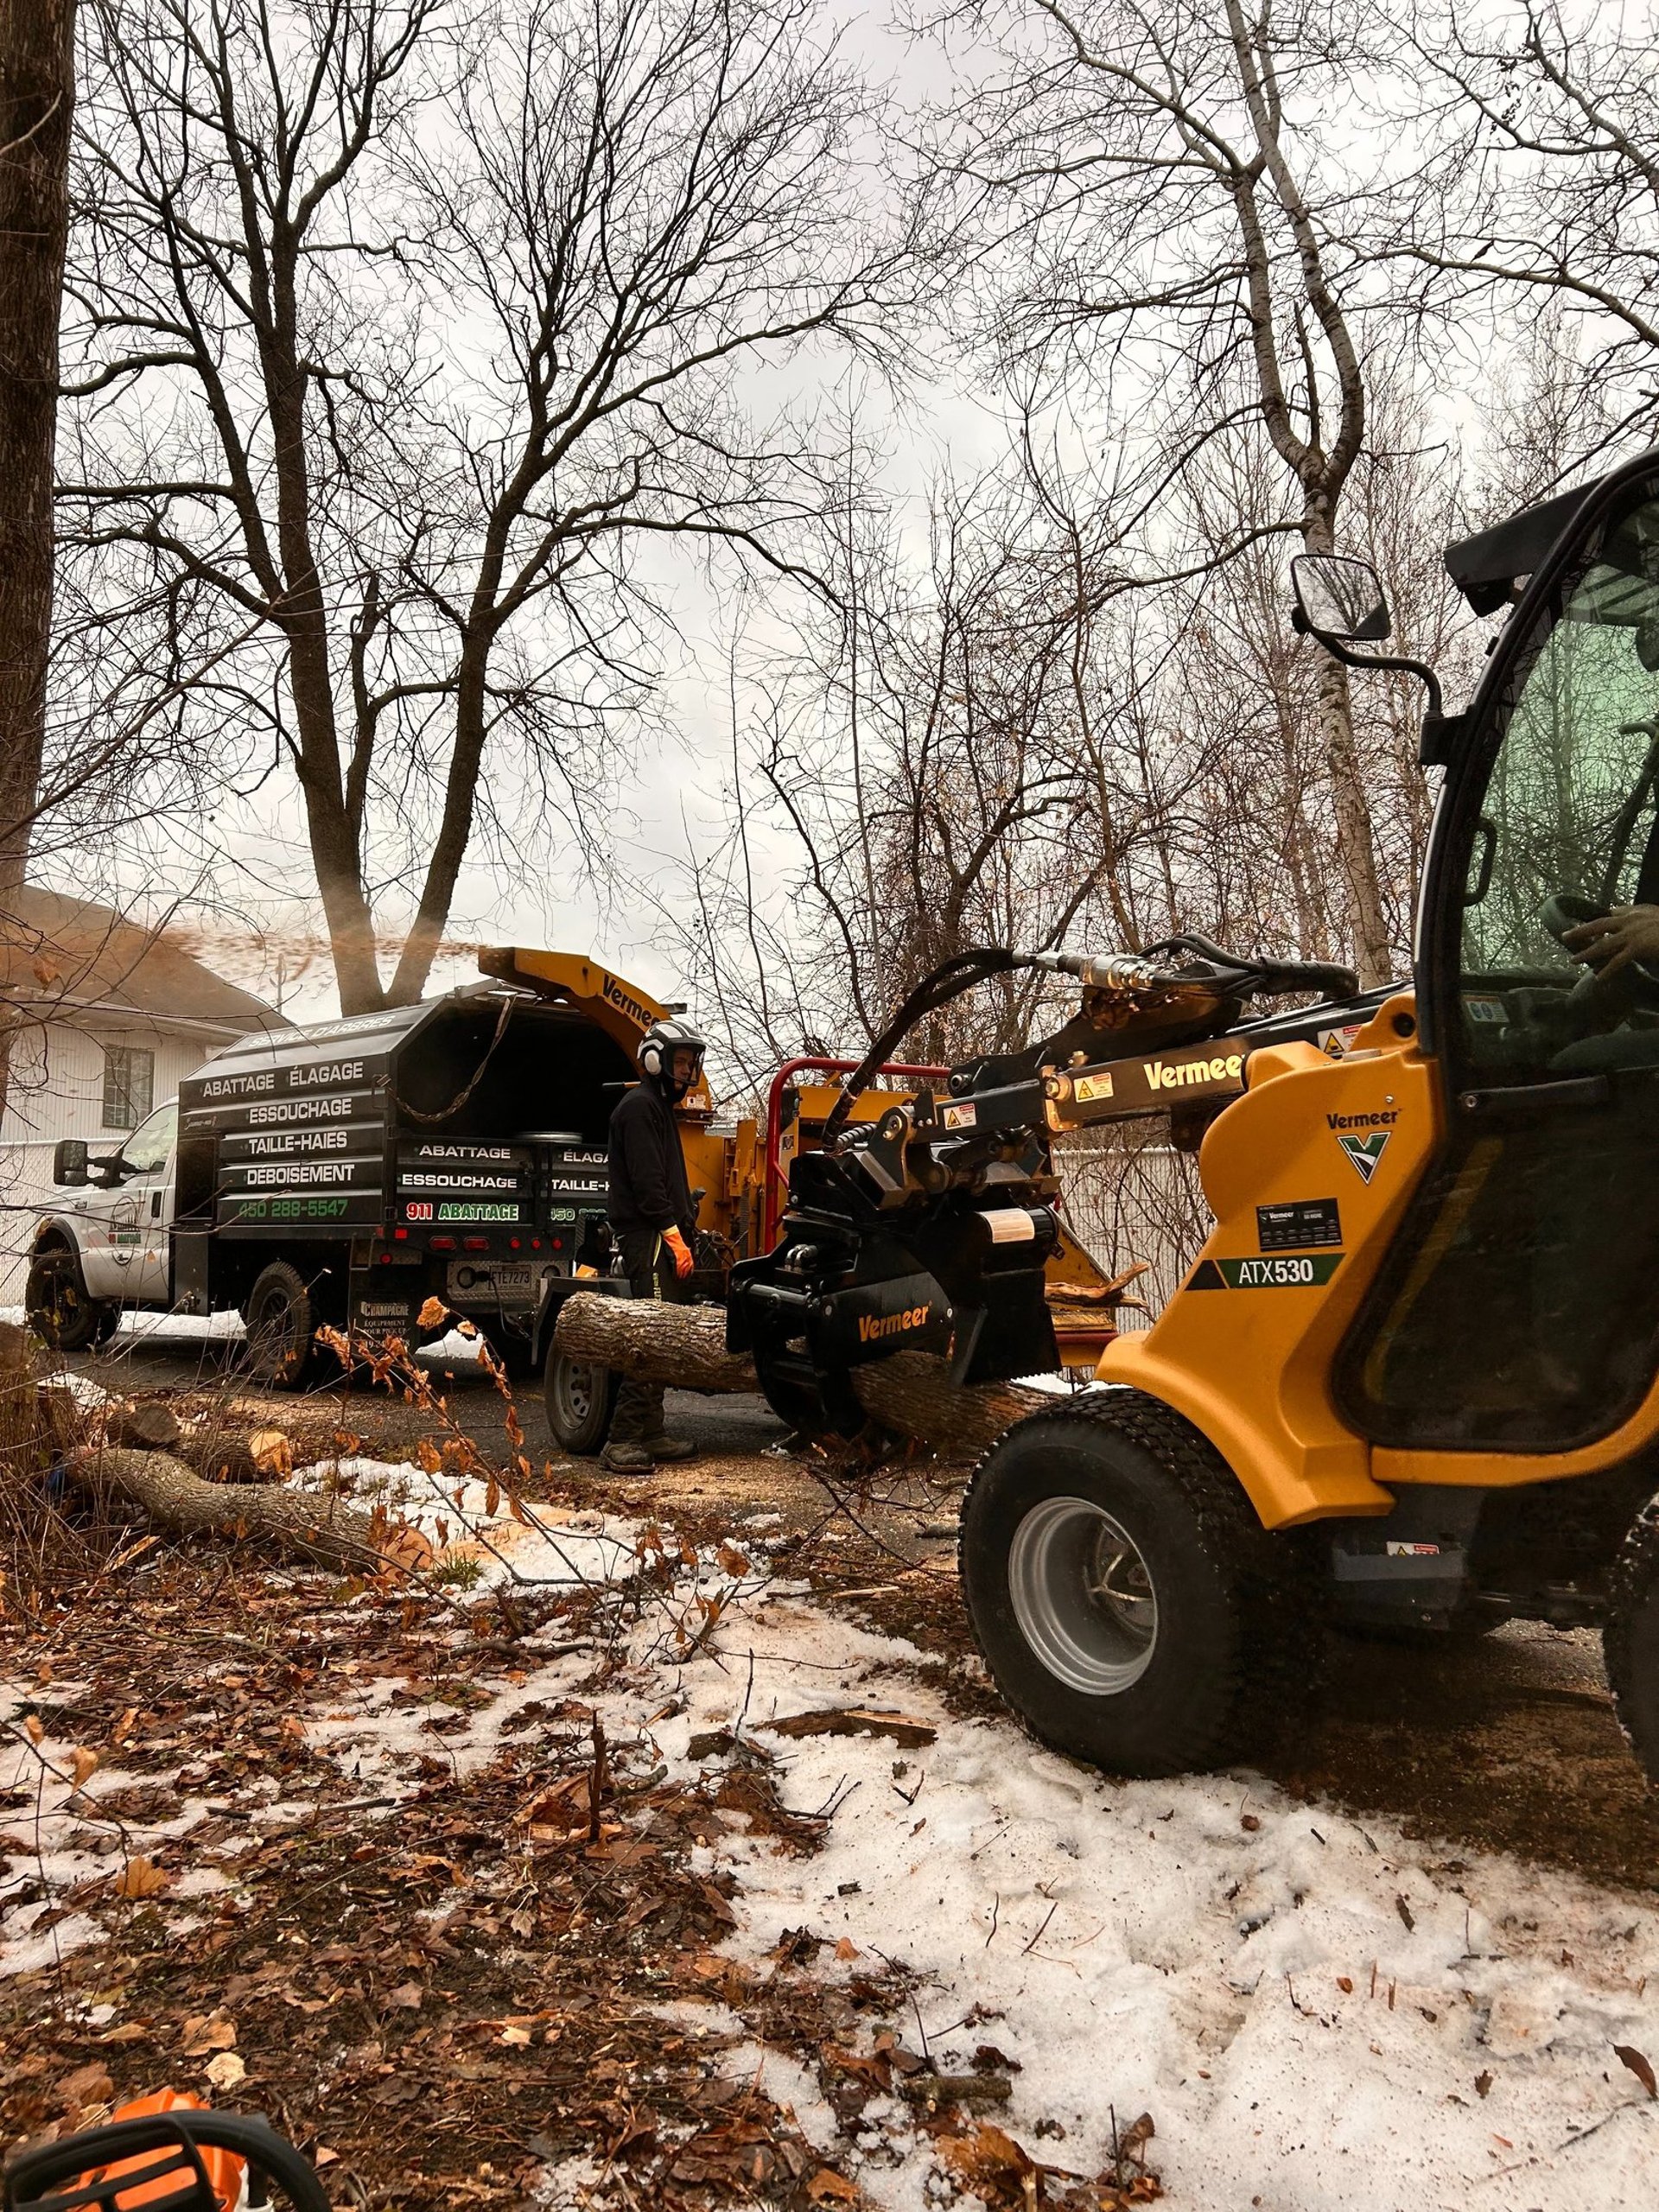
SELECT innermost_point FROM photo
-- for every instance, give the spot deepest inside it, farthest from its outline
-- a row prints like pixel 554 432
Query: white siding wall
pixel 57 1090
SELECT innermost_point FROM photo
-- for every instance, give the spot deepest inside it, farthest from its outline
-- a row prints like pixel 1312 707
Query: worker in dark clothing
pixel 650 1210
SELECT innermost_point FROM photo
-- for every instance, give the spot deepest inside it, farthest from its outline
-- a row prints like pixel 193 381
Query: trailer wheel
pixel 1629 1638
pixel 1129 1605
pixel 280 1318
pixel 59 1312
pixel 580 1397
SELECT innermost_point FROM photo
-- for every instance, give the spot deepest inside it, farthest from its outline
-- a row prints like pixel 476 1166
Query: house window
pixel 128 1084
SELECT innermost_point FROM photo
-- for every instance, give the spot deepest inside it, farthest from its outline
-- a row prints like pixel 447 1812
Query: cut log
pixel 680 1346
pixel 683 1347
pixel 148 1426
pixel 912 1395
pixel 323 1530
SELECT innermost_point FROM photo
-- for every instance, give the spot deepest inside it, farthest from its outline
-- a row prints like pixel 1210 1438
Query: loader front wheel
pixel 1128 1603
pixel 1629 1638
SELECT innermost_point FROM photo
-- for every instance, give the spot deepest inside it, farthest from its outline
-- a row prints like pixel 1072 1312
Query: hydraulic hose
pixel 946 981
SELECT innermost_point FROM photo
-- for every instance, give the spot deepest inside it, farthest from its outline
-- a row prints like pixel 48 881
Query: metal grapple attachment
pixel 908 1237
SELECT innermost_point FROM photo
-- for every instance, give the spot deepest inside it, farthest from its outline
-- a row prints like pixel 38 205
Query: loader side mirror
pixel 69 1162
pixel 1339 598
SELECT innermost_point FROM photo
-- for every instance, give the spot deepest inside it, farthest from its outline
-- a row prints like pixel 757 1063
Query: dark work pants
pixel 649 1266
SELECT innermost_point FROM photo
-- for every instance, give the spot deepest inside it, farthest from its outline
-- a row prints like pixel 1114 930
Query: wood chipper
pixel 738 1171
pixel 1410 1384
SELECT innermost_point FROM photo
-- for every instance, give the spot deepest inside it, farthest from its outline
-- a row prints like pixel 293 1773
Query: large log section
pixel 685 1347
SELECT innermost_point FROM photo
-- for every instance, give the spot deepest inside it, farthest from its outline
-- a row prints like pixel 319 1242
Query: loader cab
pixel 1518 1309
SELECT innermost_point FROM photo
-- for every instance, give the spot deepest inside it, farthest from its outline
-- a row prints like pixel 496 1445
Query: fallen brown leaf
pixel 226 2071
pixel 83 1765
pixel 141 1878
pixel 827 2186
pixel 209 2031
pixel 1628 2056
pixel 88 2085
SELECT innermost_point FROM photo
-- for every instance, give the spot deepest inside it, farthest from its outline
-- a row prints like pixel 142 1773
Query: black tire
pixel 59 1312
pixel 580 1398
pixel 281 1318
pixel 1195 1658
pixel 1629 1638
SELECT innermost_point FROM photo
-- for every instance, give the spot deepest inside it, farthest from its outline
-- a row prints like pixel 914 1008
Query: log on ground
pixel 322 1530
pixel 683 1347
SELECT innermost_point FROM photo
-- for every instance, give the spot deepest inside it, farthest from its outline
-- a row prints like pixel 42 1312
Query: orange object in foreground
pixel 227 2173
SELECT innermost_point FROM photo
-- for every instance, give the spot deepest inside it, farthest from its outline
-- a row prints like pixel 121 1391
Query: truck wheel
pixel 280 1318
pixel 61 1313
pixel 1128 1603
pixel 579 1398
pixel 1629 1638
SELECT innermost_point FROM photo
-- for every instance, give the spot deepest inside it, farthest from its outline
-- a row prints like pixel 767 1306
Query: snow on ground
pixel 1317 2013
pixel 464 1519
pixel 1181 1948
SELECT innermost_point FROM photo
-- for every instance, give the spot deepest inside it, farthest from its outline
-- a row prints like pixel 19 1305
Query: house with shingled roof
pixel 108 1017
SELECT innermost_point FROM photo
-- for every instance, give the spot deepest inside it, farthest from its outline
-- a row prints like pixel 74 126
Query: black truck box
pixel 455 1149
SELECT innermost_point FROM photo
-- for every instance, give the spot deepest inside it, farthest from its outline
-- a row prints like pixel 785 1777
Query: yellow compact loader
pixel 1411 1381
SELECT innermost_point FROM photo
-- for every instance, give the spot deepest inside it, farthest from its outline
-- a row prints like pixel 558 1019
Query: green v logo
pixel 1366 1152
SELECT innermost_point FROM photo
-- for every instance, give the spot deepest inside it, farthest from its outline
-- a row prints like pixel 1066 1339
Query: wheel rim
pixel 576 1390
pixel 1083 1597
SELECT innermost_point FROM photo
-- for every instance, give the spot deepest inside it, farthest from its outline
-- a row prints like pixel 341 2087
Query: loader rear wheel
pixel 1128 1603
pixel 580 1397
pixel 280 1317
pixel 1629 1638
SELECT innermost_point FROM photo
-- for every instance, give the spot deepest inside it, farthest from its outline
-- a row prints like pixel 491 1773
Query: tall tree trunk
pixel 37 84
pixel 1368 928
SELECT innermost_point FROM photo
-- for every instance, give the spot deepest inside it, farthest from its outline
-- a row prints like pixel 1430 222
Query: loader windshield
pixel 1570 820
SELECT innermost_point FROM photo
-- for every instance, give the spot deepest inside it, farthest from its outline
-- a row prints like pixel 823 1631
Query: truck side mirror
pixel 69 1162
pixel 1339 598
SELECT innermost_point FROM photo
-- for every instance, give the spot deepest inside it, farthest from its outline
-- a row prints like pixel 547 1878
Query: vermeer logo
pixel 1366 1153
pixel 1161 1077
pixel 610 989
pixel 872 1327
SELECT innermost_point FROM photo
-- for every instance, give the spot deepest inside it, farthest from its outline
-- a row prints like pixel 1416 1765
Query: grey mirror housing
pixel 1337 597
pixel 69 1162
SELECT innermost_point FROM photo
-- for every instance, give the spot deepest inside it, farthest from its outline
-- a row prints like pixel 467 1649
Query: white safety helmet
pixel 657 1049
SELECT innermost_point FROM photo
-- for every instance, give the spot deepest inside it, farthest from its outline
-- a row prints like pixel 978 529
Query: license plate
pixel 484 1279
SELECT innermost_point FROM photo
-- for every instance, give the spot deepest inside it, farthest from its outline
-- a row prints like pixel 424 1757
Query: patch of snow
pixel 539 1544
pixel 1137 1947
pixel 1134 1946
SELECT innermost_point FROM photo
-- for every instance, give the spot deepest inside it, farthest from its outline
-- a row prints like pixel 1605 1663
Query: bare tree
pixel 1166 227
pixel 36 105
pixel 1542 191
pixel 410 345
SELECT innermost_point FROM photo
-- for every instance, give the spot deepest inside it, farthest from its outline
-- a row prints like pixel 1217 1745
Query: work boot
pixel 626 1459
pixel 662 1448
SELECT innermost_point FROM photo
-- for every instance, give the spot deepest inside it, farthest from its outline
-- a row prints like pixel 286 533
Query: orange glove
pixel 676 1244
